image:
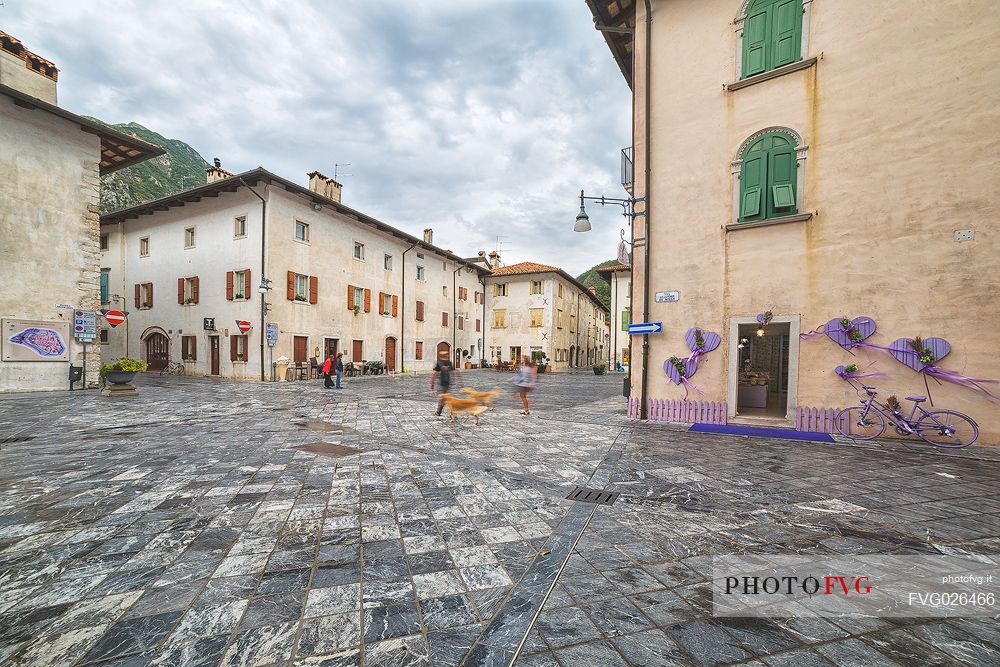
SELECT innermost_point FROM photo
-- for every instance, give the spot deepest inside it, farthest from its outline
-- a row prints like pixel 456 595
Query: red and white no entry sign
pixel 114 317
pixel 244 326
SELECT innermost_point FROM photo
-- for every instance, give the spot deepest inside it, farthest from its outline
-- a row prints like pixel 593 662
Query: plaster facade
pixel 619 278
pixel 888 198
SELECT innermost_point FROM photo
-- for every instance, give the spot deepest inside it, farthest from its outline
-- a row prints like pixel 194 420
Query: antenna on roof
pixel 336 165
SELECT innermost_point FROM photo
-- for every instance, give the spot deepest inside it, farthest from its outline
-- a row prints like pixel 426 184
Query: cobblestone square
pixel 230 523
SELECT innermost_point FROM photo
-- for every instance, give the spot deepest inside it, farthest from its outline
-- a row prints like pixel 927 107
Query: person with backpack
pixel 441 378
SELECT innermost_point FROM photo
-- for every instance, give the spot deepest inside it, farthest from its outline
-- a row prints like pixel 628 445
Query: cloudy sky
pixel 475 117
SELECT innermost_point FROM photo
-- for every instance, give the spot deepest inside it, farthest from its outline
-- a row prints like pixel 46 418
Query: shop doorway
pixel 763 378
pixel 157 351
pixel 330 348
pixel 213 346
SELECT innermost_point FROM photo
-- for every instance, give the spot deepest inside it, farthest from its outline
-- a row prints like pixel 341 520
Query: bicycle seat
pixel 916 399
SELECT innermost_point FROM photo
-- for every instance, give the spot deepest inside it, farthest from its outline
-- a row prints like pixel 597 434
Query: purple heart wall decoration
pixel 765 317
pixel 902 350
pixel 710 340
pixel 690 367
pixel 861 328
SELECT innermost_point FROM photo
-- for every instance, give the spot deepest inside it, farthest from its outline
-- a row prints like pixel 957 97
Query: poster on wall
pixel 34 340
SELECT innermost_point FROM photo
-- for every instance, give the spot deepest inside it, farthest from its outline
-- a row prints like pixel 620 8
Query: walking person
pixel 327 368
pixel 339 368
pixel 525 381
pixel 441 378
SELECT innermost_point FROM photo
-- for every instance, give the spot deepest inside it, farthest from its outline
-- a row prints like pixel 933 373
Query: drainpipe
pixel 402 311
pixel 263 297
pixel 644 409
pixel 454 318
pixel 482 348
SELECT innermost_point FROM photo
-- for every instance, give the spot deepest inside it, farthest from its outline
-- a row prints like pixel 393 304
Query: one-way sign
pixel 645 328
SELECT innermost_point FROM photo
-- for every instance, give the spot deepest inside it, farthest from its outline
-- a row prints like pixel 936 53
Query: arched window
pixel 768 175
pixel 772 35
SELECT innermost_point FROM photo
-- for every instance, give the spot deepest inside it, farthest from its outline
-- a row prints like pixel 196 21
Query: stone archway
pixel 157 349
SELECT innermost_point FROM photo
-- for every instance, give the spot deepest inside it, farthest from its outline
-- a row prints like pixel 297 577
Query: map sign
pixel 34 340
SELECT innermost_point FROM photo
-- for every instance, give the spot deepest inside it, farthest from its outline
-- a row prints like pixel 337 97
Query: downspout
pixel 402 312
pixel 482 348
pixel 122 266
pixel 454 317
pixel 644 408
pixel 576 362
pixel 263 297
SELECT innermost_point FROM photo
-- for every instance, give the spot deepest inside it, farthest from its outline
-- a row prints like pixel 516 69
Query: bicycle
pixel 941 428
pixel 172 368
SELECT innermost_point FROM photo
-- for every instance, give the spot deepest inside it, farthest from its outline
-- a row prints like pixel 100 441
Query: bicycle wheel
pixel 947 428
pixel 860 423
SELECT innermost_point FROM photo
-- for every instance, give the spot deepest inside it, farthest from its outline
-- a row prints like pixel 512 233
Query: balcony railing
pixel 627 168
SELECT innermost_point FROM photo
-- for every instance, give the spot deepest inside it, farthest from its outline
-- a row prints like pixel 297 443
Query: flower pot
pixel 468 365
pixel 120 377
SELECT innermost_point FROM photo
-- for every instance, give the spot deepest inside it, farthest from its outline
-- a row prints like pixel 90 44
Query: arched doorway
pixel 444 348
pixel 157 350
pixel 390 354
pixel 572 355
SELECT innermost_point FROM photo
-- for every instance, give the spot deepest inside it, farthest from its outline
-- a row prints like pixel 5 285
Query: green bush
pixel 600 369
pixel 124 364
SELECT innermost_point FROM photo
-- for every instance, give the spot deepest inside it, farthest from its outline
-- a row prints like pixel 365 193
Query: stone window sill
pixel 798 217
pixel 773 74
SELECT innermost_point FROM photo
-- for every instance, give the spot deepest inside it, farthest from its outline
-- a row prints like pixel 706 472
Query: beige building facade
pixel 50 166
pixel 188 270
pixel 813 160
pixel 535 309
pixel 619 278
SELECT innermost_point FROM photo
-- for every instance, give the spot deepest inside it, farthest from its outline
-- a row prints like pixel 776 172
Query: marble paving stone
pixel 273 609
pixel 587 655
pixel 617 617
pixel 398 652
pixel 336 575
pixel 563 627
pixel 329 634
pixel 652 647
pixel 760 635
pixel 94 611
pixel 447 612
pixel 432 561
pixel 708 643
pixel 348 658
pixel 957 643
pixel 217 591
pixel 389 622
pixel 475 555
pixel 171 598
pixel 286 581
pixel 546 659
pixel 134 635
pixel 260 646
pixel 333 600
pixel 382 593
pixel 438 584
pixel 201 653
pixel 59 649
pixel 483 577
pixel 449 647
pixel 488 602
pixel 799 658
pixel 16 627
pixel 202 622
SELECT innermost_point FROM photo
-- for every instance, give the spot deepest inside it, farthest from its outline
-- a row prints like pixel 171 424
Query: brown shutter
pixel 180 291
pixel 368 300
pixel 138 295
pixel 420 311
pixel 381 302
pixel 194 289
pixel 313 289
pixel 350 297
pixel 290 286
pixel 193 345
pixel 444 319
pixel 229 285
pixel 395 305
pixel 232 348
pixel 477 325
pixel 246 284
pixel 150 304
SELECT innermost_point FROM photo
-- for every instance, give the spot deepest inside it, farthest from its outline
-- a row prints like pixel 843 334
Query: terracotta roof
pixel 616 267
pixel 524 267
pixel 32 61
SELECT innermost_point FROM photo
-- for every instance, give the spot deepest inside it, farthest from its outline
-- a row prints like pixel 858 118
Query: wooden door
pixel 330 348
pixel 157 351
pixel 214 346
pixel 390 354
pixel 357 349
pixel 300 349
pixel 443 347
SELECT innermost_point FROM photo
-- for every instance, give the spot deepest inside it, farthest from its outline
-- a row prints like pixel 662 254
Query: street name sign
pixel 645 328
pixel 668 297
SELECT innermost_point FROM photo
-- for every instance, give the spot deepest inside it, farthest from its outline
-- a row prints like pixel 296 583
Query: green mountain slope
pixel 180 168
pixel 590 278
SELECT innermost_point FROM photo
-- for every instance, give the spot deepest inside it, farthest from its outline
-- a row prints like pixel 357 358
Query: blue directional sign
pixel 645 328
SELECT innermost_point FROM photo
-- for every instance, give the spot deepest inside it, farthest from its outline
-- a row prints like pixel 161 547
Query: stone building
pixel 619 277
pixel 51 161
pixel 814 160
pixel 190 266
pixel 536 309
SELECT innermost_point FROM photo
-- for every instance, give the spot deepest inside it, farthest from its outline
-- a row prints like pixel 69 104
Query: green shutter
pixel 781 179
pixel 786 32
pixel 752 186
pixel 756 32
pixel 104 287
pixel 624 320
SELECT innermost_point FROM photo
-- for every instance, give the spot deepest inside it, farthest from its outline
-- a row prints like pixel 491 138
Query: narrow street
pixel 208 522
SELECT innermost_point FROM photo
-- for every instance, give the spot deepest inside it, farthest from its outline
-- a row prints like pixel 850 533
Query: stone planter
pixel 117 383
pixel 120 377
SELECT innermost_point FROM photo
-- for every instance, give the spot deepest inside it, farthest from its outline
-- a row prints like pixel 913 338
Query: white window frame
pixel 144 246
pixel 144 294
pixel 240 227
pixel 241 349
pixel 420 274
pixel 305 292
pixel 540 284
pixel 188 291
pixel 189 237
pixel 304 226
pixel 359 297
pixel 386 304
pixel 359 251
pixel 239 285
pixel 444 290
pixel 387 262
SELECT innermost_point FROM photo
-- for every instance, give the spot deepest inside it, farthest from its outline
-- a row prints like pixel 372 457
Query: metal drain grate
pixel 585 495
pixel 20 438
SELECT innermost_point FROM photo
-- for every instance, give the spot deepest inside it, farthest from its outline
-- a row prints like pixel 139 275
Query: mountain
pixel 180 168
pixel 590 278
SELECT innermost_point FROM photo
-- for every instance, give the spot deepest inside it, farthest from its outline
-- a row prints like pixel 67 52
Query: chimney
pixel 429 236
pixel 482 253
pixel 26 71
pixel 592 290
pixel 216 172
pixel 324 185
pixel 494 260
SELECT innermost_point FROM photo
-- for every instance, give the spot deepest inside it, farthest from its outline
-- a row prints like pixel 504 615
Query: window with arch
pixel 768 177
pixel 772 35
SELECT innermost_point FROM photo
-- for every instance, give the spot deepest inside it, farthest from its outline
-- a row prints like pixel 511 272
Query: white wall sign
pixel 668 297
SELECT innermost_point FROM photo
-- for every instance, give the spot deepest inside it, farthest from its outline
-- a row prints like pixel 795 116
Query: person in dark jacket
pixel 339 368
pixel 327 368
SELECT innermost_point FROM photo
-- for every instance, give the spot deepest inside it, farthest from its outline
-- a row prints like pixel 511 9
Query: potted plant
pixel 600 369
pixel 465 355
pixel 357 309
pixel 122 371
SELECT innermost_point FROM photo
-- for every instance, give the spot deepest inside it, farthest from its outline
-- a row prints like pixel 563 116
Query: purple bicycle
pixel 941 428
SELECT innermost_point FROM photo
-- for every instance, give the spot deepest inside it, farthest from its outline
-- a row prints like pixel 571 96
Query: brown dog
pixel 463 405
pixel 482 397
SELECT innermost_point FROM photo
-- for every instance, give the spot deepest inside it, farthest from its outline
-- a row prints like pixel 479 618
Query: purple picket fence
pixel 677 410
pixel 817 420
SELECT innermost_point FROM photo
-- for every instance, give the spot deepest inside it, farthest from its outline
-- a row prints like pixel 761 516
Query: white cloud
pixel 477 119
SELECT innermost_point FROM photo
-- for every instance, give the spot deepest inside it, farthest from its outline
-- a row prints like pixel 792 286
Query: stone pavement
pixel 219 523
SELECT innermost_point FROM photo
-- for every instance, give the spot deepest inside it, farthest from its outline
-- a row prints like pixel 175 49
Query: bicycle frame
pixel 899 421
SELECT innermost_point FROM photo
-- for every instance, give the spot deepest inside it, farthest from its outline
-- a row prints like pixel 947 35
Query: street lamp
pixel 265 286
pixel 628 210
